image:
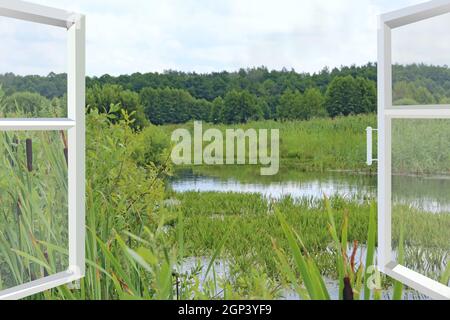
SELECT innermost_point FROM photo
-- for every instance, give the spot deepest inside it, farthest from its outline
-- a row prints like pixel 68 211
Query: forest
pixel 247 95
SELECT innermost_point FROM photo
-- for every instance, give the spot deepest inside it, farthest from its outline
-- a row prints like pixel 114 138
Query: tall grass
pixel 254 224
pixel 352 275
pixel 33 198
pixel 315 145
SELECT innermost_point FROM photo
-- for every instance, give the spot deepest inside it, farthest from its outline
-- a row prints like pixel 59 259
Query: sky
pixel 127 36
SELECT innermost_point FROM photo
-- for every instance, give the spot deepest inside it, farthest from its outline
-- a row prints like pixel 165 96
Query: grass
pixel 421 146
pixel 33 199
pixel 317 145
pixel 254 225
pixel 352 275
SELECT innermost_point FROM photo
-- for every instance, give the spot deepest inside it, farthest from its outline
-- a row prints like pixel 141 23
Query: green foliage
pixel 424 84
pixel 410 93
pixel 50 86
pixel 173 106
pixel 28 104
pixel 216 109
pixel 151 146
pixel 105 97
pixel 297 106
pixel 33 197
pixel 350 96
pixel 314 104
pixel 317 145
pixel 240 107
pixel 254 224
pixel 421 146
pixel 290 106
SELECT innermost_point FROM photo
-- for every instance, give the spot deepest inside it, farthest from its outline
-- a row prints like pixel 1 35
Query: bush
pixel 33 105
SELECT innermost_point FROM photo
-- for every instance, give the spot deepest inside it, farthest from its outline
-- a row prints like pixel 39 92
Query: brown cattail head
pixel 29 151
pixel 348 291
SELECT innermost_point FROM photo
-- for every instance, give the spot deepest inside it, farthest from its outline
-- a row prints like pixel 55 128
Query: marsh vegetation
pixel 153 233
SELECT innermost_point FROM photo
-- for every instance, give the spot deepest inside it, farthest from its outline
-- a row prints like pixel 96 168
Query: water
pixel 431 194
pixel 221 270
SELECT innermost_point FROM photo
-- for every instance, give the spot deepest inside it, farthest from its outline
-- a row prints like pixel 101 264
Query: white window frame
pixel 386 112
pixel 75 126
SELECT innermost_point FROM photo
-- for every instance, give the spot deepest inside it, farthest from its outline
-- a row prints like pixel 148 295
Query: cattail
pixel 29 151
pixel 66 147
pixel 348 291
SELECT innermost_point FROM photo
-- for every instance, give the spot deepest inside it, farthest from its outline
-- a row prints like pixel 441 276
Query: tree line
pixel 250 94
pixel 344 96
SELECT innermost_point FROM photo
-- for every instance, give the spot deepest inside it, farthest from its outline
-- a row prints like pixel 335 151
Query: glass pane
pixel 33 206
pixel 421 194
pixel 33 64
pixel 420 54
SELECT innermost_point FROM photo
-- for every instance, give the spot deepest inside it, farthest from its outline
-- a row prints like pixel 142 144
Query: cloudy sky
pixel 126 36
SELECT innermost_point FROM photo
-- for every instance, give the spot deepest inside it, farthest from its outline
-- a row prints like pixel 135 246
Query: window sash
pixel 75 126
pixel 386 112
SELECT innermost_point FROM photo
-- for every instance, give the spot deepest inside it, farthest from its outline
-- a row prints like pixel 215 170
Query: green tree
pixel 366 96
pixel 313 104
pixel 168 105
pixel 201 110
pixel 216 110
pixel 412 91
pixel 103 97
pixel 291 105
pixel 32 105
pixel 349 95
pixel 151 146
pixel 240 107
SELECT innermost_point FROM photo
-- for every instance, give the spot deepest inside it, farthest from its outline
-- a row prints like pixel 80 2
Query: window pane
pixel 33 65
pixel 33 206
pixel 420 54
pixel 421 194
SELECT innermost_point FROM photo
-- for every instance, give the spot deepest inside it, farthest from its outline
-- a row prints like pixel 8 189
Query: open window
pixel 42 172
pixel 412 151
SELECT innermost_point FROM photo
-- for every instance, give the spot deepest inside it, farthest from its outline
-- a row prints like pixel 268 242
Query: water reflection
pixel 431 194
pixel 308 187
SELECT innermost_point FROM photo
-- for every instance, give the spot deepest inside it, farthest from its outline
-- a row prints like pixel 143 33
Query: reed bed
pixel 317 145
pixel 254 224
pixel 33 198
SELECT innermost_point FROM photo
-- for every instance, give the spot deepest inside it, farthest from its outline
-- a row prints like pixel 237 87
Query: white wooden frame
pixel 386 112
pixel 74 124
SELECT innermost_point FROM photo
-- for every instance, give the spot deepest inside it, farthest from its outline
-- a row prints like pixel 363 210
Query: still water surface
pixel 425 193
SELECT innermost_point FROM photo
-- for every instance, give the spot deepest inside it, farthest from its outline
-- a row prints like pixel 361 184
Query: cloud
pixel 126 36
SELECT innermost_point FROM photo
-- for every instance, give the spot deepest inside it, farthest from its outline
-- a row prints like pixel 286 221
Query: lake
pixel 426 193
